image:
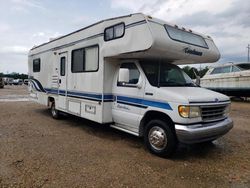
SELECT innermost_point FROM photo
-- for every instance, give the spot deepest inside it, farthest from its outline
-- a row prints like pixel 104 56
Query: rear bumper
pixel 196 133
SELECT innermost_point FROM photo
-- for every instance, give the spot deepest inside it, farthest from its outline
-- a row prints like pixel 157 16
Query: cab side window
pixel 128 75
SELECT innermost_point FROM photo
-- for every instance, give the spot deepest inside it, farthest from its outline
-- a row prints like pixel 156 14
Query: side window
pixel 219 70
pixel 114 32
pixel 91 59
pixel 226 69
pixel 235 69
pixel 36 65
pixel 78 60
pixel 128 75
pixel 85 59
pixel 216 71
pixel 62 66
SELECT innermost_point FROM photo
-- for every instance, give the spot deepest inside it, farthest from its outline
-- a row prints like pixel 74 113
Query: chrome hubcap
pixel 157 138
pixel 53 111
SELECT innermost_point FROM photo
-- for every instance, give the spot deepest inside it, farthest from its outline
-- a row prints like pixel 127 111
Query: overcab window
pixel 114 32
pixel 185 36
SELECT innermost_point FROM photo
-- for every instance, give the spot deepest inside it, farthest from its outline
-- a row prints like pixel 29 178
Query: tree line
pixel 190 71
pixel 14 75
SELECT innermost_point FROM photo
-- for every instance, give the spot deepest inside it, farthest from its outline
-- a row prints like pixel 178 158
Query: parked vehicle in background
pixel 232 79
pixel 1 82
pixel 18 82
pixel 26 81
pixel 123 72
pixel 8 81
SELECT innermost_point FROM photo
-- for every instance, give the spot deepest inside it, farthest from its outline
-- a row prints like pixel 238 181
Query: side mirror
pixel 123 75
pixel 139 84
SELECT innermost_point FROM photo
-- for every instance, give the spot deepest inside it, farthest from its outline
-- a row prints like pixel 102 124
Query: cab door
pixel 128 90
pixel 62 80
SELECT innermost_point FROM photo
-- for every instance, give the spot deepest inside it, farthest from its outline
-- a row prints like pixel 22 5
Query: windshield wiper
pixel 173 84
pixel 190 84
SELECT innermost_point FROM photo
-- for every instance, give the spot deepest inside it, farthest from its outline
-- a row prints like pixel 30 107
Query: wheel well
pixel 50 100
pixel 150 115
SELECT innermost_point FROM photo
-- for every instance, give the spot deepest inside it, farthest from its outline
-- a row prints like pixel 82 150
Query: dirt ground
pixel 38 151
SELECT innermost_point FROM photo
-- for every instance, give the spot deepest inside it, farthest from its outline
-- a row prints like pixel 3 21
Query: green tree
pixel 192 71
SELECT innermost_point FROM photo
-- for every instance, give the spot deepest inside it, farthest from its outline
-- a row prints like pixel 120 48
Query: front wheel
pixel 159 138
pixel 54 112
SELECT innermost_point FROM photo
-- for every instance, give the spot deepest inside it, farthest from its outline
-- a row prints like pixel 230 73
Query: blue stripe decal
pixel 53 91
pixel 34 85
pixel 135 24
pixel 144 102
pixel 108 97
pixel 141 103
pixel 88 95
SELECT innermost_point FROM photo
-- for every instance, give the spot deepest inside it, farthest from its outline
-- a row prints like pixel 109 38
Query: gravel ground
pixel 38 151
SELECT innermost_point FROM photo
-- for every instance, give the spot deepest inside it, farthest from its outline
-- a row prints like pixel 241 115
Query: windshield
pixel 245 66
pixel 161 74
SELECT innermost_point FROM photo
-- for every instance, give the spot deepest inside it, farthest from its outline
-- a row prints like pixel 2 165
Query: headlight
pixel 189 111
pixel 227 110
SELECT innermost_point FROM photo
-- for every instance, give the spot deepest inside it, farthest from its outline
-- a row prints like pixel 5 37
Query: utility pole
pixel 248 48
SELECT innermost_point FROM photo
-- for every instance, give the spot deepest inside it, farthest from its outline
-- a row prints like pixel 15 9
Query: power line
pixel 248 48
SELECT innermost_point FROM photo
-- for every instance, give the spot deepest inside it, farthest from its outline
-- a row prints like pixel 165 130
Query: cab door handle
pixel 151 94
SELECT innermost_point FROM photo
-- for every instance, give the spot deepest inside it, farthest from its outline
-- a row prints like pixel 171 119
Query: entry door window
pixel 62 66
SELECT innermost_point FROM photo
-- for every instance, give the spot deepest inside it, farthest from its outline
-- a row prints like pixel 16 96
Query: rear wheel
pixel 54 112
pixel 159 138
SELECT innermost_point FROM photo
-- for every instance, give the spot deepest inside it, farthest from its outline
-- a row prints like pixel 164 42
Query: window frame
pixel 39 59
pixel 128 85
pixel 113 27
pixel 83 48
pixel 166 25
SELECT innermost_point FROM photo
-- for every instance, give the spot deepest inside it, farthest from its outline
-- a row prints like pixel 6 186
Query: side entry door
pixel 62 80
pixel 128 93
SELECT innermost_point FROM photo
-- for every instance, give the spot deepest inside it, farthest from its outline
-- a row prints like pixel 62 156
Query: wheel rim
pixel 157 138
pixel 53 110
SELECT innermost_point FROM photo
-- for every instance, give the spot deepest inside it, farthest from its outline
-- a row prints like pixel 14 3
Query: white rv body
pixel 95 94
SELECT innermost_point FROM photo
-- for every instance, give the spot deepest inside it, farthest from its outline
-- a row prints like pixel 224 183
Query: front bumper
pixel 196 133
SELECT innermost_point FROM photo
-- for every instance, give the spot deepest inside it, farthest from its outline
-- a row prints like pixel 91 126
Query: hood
pixel 194 94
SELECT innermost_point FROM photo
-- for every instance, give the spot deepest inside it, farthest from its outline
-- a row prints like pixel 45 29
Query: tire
pixel 159 138
pixel 54 112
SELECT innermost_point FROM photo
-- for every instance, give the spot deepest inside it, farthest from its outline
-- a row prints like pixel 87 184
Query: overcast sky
pixel 25 23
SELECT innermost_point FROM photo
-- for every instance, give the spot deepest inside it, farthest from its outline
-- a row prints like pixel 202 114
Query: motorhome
pixel 232 79
pixel 122 72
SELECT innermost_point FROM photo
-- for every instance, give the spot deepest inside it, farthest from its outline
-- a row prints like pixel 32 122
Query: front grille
pixel 213 113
